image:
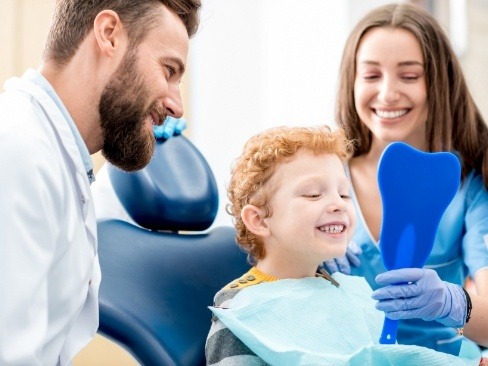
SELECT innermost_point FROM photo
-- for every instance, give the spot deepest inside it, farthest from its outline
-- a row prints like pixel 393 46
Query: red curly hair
pixel 257 163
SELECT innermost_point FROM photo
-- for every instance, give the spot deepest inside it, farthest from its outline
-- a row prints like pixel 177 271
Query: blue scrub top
pixel 459 250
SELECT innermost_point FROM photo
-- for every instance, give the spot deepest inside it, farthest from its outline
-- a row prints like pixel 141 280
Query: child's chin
pixel 336 254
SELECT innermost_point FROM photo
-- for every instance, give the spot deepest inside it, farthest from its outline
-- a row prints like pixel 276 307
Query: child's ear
pixel 253 218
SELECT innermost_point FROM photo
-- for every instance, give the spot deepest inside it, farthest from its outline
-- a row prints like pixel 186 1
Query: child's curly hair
pixel 257 163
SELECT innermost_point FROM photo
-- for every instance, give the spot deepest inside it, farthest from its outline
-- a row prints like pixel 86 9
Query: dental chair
pixel 159 276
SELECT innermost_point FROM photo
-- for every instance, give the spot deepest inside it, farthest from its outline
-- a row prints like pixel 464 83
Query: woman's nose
pixel 388 93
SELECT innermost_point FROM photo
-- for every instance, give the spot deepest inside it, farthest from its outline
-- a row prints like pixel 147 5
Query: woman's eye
pixel 371 77
pixel 410 77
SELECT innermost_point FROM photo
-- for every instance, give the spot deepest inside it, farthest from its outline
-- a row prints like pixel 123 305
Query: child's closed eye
pixel 312 195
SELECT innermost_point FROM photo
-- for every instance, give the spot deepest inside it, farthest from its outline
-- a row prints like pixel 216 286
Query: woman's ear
pixel 253 217
pixel 108 31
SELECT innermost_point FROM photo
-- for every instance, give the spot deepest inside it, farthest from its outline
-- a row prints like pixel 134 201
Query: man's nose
pixel 172 102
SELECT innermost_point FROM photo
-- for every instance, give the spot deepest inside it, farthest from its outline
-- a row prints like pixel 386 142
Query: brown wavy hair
pixel 454 122
pixel 257 163
pixel 73 20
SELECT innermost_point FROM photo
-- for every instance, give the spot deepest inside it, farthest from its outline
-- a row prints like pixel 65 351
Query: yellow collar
pixel 252 277
pixel 255 276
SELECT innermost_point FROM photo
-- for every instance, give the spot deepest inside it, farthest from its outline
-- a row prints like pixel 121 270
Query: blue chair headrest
pixel 175 191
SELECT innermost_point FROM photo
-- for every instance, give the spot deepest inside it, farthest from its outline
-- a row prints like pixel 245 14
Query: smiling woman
pixel 390 89
pixel 400 80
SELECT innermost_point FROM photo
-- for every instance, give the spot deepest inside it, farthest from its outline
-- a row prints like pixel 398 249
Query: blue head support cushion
pixel 175 191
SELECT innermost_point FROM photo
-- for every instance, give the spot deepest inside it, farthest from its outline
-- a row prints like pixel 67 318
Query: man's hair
pixel 454 122
pixel 257 163
pixel 73 20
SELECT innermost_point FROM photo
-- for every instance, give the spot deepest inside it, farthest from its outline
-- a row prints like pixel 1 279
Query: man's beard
pixel 128 144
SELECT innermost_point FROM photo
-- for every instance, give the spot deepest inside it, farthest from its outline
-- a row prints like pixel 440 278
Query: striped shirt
pixel 223 348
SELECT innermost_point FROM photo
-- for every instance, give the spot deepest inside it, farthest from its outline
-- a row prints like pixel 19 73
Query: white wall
pixel 260 63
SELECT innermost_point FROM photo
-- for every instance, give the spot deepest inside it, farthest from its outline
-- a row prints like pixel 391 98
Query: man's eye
pixel 171 70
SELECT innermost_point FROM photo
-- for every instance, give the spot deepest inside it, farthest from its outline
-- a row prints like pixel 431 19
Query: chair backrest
pixel 156 285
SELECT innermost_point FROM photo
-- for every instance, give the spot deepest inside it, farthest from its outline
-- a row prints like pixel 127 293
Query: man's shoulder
pixel 19 112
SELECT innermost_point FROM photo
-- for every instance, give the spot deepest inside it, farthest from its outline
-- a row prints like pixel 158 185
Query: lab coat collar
pixel 67 140
pixel 37 78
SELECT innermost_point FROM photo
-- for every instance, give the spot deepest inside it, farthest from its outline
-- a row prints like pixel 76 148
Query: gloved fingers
pixel 388 306
pixel 352 253
pixel 393 309
pixel 398 315
pixel 354 248
pixel 399 276
pixel 406 304
pixel 428 298
pixel 331 266
pixel 410 314
pixel 353 260
pixel 340 264
pixel 343 264
pixel 404 291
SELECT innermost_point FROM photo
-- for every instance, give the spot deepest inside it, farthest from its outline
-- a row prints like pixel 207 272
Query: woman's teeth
pixel 391 114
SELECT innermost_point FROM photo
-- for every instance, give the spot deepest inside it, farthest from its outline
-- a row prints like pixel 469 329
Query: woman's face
pixel 389 89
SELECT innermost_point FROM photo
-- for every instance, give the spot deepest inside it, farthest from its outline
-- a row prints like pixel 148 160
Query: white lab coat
pixel 49 270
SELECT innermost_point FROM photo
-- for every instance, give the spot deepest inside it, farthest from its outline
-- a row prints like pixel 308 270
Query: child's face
pixel 312 215
pixel 389 89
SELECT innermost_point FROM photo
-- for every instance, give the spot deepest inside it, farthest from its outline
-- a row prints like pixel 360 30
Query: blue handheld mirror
pixel 416 187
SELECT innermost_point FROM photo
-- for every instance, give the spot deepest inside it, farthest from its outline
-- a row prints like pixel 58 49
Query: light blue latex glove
pixel 343 264
pixel 171 127
pixel 420 293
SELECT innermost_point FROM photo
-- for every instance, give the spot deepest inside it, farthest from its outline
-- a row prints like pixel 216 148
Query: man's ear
pixel 109 32
pixel 253 218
